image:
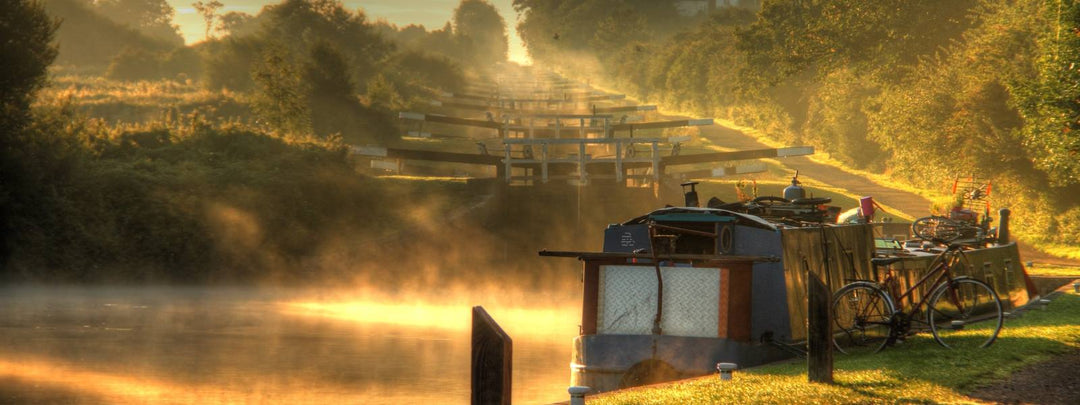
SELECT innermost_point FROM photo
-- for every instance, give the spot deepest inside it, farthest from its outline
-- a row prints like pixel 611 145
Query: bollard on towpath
pixel 725 370
pixel 577 394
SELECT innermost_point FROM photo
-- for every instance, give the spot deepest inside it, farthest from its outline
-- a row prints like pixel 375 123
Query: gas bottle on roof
pixel 794 191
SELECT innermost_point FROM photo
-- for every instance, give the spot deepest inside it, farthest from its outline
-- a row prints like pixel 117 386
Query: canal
pixel 251 345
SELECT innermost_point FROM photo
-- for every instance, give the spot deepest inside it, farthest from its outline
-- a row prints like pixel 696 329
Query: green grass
pixel 1066 251
pixel 1050 270
pixel 919 371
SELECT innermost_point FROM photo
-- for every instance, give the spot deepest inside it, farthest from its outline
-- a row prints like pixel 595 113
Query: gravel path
pixel 1055 381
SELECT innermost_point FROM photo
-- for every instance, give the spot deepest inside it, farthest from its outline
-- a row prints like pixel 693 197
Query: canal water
pixel 249 345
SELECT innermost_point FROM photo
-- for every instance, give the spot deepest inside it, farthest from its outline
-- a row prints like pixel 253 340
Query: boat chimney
pixel 1003 226
pixel 691 196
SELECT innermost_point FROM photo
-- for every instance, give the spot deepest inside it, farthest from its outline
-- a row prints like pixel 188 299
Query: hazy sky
pixel 433 14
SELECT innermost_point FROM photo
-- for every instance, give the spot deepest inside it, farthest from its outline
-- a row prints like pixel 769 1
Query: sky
pixel 432 14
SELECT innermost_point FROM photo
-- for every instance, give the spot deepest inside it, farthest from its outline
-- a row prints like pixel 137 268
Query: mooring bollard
pixel 1043 303
pixel 957 325
pixel 1076 287
pixel 725 370
pixel 577 395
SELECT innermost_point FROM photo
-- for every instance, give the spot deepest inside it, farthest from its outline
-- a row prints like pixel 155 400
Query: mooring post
pixel 819 350
pixel 492 355
pixel 577 394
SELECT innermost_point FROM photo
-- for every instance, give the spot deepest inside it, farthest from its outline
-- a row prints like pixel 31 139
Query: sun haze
pixel 432 14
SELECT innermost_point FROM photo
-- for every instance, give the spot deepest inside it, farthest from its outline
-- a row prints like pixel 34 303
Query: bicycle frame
pixel 949 301
pixel 941 267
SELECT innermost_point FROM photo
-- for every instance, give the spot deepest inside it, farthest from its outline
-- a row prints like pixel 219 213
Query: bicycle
pixel 962 222
pixel 944 229
pixel 961 312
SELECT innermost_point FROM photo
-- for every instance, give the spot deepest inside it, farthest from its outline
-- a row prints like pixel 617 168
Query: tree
pixel 300 24
pixel 151 17
pixel 208 12
pixel 235 23
pixel 480 31
pixel 280 92
pixel 26 51
pixel 792 37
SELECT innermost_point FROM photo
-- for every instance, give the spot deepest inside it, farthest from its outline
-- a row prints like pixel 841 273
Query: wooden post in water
pixel 491 360
pixel 819 350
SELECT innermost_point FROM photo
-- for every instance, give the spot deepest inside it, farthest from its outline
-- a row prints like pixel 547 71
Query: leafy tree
pixel 208 11
pixel 26 51
pixel 384 94
pixel 135 64
pixel 327 72
pixel 423 69
pixel 235 23
pixel 87 38
pixel 280 97
pixel 480 31
pixel 228 63
pixel 624 25
pixel 151 17
pixel 791 36
pixel 331 90
pixel 1050 100
pixel 553 27
pixel 300 24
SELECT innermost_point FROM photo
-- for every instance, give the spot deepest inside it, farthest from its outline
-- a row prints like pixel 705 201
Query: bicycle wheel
pixel 965 313
pixel 861 318
pixel 935 228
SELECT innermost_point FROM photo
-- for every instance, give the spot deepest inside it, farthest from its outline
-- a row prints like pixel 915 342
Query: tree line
pixel 922 91
pixel 184 199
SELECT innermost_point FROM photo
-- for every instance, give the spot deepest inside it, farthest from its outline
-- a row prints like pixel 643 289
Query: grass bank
pixel 919 371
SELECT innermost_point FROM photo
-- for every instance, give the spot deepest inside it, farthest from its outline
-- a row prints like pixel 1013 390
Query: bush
pixel 133 64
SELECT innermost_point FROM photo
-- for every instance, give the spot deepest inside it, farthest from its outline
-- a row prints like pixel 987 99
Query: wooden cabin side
pixel 835 254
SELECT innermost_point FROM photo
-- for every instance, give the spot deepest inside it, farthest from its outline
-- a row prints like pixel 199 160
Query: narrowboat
pixel 680 289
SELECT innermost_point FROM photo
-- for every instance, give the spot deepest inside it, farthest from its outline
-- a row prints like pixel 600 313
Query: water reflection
pixel 227 345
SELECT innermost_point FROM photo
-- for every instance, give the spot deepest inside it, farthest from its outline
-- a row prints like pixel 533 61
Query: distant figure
pixel 483 148
pixel 490 116
pixel 676 148
pixel 556 36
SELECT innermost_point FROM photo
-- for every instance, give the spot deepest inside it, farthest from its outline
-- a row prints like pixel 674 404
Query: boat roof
pixel 701 214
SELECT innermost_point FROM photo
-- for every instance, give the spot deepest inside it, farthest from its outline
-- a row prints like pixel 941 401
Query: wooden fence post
pixel 819 356
pixel 492 354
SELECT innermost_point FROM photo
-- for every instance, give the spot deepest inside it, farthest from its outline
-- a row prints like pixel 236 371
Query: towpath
pixel 908 203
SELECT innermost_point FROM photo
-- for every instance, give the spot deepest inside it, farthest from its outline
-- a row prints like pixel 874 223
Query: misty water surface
pixel 227 345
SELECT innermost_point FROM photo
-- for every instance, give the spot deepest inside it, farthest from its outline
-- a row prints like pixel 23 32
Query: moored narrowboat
pixel 681 289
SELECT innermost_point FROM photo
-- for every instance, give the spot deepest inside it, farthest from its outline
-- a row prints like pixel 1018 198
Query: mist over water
pixel 241 344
